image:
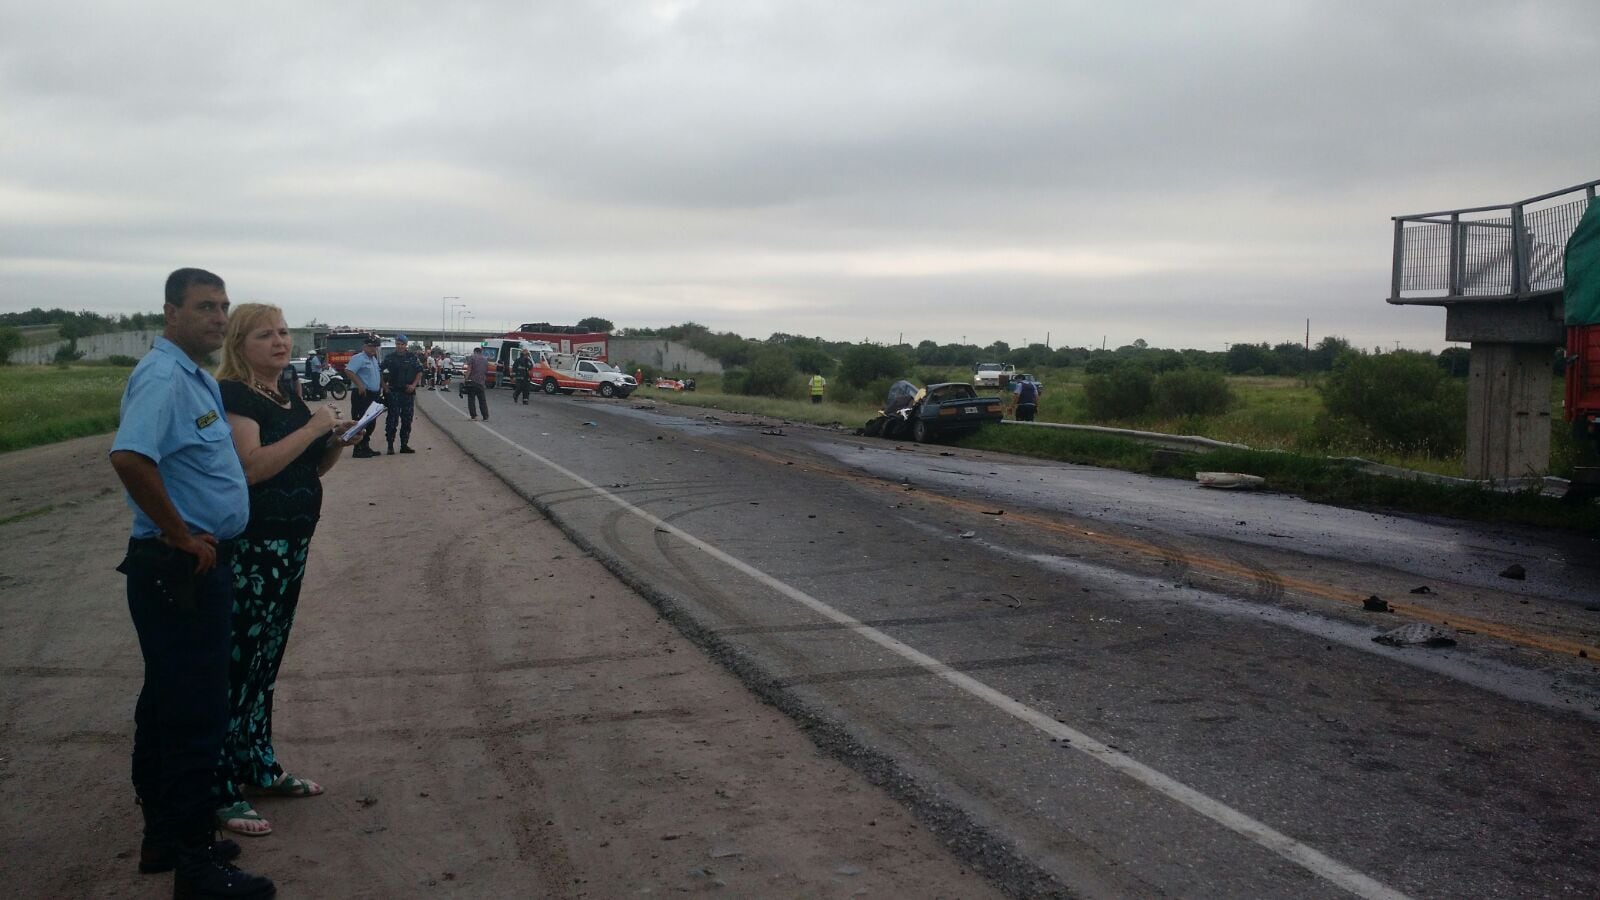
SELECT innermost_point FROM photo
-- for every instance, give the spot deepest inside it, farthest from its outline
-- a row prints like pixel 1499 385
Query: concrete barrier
pixel 96 346
pixel 669 356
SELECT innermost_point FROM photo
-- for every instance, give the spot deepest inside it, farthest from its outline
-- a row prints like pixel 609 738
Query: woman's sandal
pixel 241 818
pixel 289 786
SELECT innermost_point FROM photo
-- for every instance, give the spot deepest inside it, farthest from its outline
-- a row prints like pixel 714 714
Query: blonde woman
pixel 285 448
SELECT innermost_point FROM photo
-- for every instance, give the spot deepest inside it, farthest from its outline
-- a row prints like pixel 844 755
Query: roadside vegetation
pixel 45 404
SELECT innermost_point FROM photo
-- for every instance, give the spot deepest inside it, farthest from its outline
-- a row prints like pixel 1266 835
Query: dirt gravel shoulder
pixel 492 712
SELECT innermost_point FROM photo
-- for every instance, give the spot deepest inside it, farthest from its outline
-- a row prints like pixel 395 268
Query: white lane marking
pixel 1303 855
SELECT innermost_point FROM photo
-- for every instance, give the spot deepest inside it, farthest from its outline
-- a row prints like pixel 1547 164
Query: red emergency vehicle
pixel 342 343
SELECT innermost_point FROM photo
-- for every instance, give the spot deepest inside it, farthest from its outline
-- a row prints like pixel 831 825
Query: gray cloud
pixel 1186 173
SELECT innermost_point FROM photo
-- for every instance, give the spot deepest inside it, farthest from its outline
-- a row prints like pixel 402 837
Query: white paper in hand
pixel 364 421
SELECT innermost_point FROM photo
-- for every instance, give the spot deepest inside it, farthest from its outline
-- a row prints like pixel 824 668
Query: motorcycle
pixel 329 383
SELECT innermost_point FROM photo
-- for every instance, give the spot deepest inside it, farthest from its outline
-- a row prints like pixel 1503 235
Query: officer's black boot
pixel 202 874
pixel 406 448
pixel 391 448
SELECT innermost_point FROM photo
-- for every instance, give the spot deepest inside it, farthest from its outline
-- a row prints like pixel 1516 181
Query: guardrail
pixel 1512 251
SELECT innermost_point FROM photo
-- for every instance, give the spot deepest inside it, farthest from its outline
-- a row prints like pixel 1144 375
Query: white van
pixel 501 351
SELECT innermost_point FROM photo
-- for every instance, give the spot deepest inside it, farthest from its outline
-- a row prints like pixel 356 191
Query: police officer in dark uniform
pixel 401 375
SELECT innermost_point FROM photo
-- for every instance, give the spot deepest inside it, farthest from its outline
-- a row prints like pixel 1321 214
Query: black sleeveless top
pixel 288 504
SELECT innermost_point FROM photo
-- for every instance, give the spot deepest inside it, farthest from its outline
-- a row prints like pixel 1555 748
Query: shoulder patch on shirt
pixel 206 419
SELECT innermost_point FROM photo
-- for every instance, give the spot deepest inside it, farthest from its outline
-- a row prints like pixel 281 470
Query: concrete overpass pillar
pixel 1508 411
pixel 1508 391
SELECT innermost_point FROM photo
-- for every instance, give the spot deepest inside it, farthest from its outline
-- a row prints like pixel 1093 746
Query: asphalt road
pixel 1097 684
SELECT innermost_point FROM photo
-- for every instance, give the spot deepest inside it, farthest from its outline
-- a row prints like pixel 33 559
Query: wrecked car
pixel 928 414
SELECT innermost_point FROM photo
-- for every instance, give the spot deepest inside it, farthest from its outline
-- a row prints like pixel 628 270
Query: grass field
pixel 45 404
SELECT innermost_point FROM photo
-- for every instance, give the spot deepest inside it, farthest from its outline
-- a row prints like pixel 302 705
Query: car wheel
pixel 919 431
pixel 607 389
pixel 550 387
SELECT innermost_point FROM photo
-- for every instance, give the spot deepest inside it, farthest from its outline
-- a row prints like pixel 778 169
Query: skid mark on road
pixel 1256 578
pixel 1303 855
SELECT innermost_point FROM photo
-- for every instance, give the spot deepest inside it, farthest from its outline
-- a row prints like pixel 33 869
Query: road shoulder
pixel 492 712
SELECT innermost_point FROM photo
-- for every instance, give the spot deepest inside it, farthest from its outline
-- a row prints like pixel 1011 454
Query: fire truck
pixel 342 343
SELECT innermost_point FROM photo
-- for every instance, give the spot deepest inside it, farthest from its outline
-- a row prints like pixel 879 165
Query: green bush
pixel 733 381
pixel 864 364
pixel 118 359
pixel 771 373
pixel 1193 392
pixel 1401 400
pixel 10 341
pixel 1123 393
pixel 67 353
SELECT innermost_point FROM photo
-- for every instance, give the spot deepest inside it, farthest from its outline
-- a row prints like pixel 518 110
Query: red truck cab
pixel 1583 379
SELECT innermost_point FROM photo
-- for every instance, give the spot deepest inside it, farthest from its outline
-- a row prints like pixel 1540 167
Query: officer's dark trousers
pixel 520 389
pixel 183 706
pixel 358 408
pixel 1025 412
pixel 402 406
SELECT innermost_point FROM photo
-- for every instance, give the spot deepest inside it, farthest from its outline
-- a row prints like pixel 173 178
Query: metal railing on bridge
pixel 1508 252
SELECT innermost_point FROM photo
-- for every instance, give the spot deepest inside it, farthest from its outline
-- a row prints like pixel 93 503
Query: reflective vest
pixel 817 384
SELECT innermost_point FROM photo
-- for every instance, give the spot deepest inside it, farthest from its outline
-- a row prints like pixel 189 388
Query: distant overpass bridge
pixel 1498 271
pixel 305 338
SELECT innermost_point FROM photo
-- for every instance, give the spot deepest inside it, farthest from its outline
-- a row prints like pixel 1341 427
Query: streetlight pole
pixel 444 315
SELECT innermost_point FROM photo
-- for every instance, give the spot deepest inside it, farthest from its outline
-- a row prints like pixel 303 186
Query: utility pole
pixel 1308 334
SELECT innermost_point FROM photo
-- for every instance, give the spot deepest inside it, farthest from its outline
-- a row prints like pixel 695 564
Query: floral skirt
pixel 266 588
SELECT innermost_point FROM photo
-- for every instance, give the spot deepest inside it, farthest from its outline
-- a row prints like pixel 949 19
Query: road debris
pixel 1417 633
pixel 969 534
pixel 1422 590
pixel 775 432
pixel 1375 604
pixel 1515 572
pixel 1229 480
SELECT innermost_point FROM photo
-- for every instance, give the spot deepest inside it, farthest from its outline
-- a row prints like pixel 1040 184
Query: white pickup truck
pixel 988 374
pixel 564 373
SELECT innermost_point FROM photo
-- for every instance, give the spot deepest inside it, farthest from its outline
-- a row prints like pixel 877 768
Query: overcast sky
pixel 1188 173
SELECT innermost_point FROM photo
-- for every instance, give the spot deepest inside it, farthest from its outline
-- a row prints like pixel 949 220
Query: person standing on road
pixel 521 371
pixel 365 380
pixel 174 455
pixel 285 448
pixel 818 383
pixel 475 383
pixel 435 370
pixel 401 375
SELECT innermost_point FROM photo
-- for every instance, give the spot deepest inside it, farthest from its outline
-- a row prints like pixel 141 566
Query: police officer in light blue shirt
pixel 174 454
pixel 366 383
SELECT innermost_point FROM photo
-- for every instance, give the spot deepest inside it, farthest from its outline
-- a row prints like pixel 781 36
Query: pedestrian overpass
pixel 1498 272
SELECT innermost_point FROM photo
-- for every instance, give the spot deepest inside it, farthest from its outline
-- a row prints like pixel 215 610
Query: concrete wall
pixel 668 355
pixel 1508 411
pixel 95 346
